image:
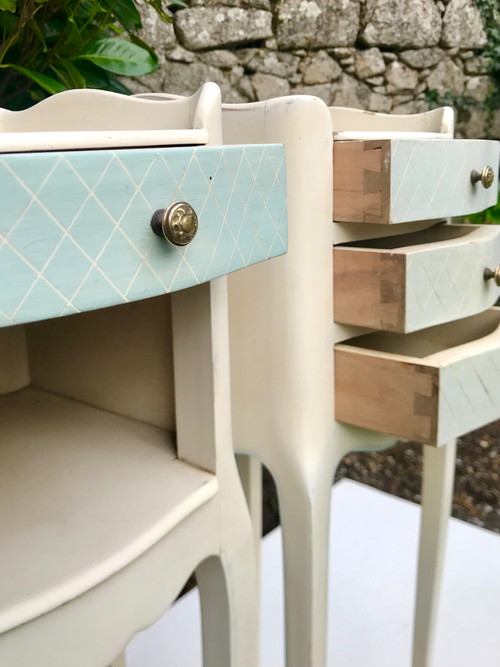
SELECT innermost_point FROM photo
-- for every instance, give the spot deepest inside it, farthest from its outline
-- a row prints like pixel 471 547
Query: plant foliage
pixel 47 46
pixel 490 216
pixel 490 12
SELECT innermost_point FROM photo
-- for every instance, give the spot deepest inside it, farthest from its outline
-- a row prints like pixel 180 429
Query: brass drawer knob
pixel 488 274
pixel 486 177
pixel 178 223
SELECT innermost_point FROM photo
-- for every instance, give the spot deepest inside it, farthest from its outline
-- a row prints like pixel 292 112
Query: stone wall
pixel 381 55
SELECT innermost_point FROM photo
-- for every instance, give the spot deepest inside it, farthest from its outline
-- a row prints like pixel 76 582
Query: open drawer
pixel 392 181
pixel 75 228
pixel 428 386
pixel 85 174
pixel 413 281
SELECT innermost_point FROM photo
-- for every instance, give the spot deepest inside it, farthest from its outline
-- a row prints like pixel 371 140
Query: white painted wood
pixel 113 473
pixel 82 467
pixel 370 624
pixel 347 232
pixel 121 660
pixel 127 368
pixel 107 518
pixel 203 414
pixel 250 472
pixel 17 142
pixel 437 495
pixel 14 371
pixel 361 124
pixel 110 120
pixel 281 315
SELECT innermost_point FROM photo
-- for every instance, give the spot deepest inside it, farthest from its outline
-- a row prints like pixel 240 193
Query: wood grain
pixel 369 288
pixel 361 181
pixel 392 396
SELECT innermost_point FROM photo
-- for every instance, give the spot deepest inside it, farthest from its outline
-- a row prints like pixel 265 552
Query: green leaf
pixel 493 215
pixel 52 30
pixel 39 35
pixel 73 42
pixel 8 23
pixel 46 82
pixel 157 6
pixel 119 57
pixel 68 74
pixel 116 28
pixel 95 77
pixel 126 13
pixel 8 5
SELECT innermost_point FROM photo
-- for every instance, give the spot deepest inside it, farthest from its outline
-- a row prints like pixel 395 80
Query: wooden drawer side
pixel 361 181
pixel 369 288
pixel 420 281
pixel 395 397
pixel 394 181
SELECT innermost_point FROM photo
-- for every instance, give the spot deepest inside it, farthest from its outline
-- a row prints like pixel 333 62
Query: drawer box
pixel 75 225
pixel 413 281
pixel 429 386
pixel 391 181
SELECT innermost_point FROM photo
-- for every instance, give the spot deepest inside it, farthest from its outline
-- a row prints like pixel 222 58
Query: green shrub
pixel 48 46
pixel 490 12
pixel 489 216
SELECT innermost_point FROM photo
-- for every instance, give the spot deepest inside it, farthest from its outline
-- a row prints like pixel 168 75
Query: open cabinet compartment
pixel 89 468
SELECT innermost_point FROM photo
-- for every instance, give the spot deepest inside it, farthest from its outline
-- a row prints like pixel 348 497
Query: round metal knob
pixel 178 223
pixel 487 176
pixel 488 274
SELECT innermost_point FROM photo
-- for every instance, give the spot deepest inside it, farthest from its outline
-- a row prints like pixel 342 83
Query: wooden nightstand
pixel 299 317
pixel 117 474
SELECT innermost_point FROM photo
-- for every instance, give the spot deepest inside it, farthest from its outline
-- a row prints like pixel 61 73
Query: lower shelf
pixel 83 493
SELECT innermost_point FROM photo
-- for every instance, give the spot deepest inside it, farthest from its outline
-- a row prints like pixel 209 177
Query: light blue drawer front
pixel 75 226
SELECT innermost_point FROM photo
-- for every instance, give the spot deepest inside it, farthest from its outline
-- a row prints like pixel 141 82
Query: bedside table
pixel 287 313
pixel 118 472
pixel 443 274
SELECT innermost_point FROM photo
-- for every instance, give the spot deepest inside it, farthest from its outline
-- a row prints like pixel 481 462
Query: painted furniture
pixel 282 313
pixel 117 470
pixel 445 177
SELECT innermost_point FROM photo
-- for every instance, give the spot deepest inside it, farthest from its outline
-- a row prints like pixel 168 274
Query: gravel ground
pixel 398 470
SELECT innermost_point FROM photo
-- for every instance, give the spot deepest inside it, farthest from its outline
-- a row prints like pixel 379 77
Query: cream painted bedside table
pixel 117 473
pixel 320 392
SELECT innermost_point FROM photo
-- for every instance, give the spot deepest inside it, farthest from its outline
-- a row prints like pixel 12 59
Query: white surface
pixel 372 575
pixel 87 492
pixel 76 119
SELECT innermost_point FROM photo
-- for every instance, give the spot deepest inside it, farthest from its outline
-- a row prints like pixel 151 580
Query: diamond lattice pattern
pixel 431 179
pixel 75 233
pixel 447 283
pixel 468 394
